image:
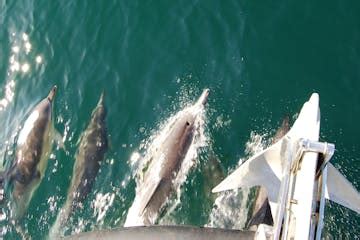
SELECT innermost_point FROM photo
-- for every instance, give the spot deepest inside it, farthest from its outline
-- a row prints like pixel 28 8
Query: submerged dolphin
pixel 261 212
pixel 92 148
pixel 213 174
pixel 32 154
pixel 158 179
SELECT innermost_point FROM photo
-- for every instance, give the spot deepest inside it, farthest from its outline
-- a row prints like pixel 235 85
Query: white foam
pixel 229 210
pixel 101 205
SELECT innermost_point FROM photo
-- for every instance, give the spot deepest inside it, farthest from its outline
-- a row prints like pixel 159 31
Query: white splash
pixel 101 204
pixel 80 227
pixel 256 143
pixel 52 203
pixel 230 208
pixel 151 147
pixel 222 121
pixel 135 160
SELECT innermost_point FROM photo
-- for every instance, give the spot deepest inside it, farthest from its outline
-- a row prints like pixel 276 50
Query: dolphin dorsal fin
pixel 340 190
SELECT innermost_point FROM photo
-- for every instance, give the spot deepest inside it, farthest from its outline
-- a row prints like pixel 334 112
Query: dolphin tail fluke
pixel 340 190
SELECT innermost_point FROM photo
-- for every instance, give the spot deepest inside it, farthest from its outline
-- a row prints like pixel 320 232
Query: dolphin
pixel 155 232
pixel 32 153
pixel 212 174
pixel 261 212
pixel 91 151
pixel 158 179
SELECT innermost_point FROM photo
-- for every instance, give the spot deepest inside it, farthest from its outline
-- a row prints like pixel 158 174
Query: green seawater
pixel 261 60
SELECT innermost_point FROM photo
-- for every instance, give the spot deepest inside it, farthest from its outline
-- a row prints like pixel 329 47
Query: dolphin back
pixel 91 152
pixel 158 182
pixel 31 157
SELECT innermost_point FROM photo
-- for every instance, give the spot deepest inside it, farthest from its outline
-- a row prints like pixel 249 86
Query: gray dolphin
pixel 158 179
pixel 157 232
pixel 32 154
pixel 92 148
pixel 261 212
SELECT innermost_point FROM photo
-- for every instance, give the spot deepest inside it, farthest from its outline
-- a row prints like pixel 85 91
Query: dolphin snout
pixel 101 99
pixel 204 96
pixel 52 93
